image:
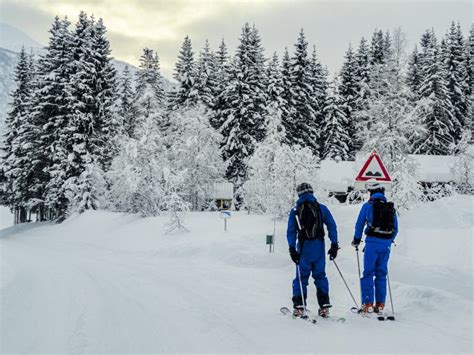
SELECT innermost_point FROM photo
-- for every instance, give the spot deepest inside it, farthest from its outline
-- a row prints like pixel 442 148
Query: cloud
pixel 162 25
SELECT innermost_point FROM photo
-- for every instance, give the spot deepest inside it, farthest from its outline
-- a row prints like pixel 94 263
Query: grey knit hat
pixel 303 188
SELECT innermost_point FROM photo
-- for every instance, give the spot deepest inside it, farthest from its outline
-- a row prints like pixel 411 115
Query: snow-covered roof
pixel 337 175
pixel 434 168
pixel 221 191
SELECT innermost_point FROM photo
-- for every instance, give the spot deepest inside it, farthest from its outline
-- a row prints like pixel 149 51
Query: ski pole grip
pixel 298 222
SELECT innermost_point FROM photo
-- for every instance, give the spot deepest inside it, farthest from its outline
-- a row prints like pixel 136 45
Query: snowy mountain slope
pixel 7 66
pixel 108 282
pixel 13 39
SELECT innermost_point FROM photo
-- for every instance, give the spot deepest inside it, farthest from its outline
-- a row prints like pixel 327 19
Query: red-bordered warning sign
pixel 373 169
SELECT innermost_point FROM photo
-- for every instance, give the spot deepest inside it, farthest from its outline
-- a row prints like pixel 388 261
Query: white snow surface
pixel 105 282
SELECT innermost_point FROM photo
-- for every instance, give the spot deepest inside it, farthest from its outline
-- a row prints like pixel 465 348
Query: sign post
pixel 373 170
pixel 225 215
pixel 270 243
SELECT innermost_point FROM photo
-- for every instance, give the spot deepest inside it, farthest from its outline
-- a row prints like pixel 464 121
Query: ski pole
pixel 392 317
pixel 301 287
pixel 345 283
pixel 358 269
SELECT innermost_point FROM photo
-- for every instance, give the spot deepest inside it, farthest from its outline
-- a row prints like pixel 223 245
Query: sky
pixel 330 25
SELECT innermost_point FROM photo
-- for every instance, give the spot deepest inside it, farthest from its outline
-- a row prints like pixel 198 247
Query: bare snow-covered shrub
pixel 274 171
pixel 463 167
pixel 195 150
pixel 406 190
pixel 137 174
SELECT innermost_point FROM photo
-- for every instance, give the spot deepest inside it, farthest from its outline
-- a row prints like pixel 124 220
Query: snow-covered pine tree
pixel 303 128
pixel 454 60
pixel 78 137
pixel 349 92
pixel 150 95
pixel 363 69
pixel 287 96
pixel 222 66
pixel 185 73
pixel 259 81
pixel 377 48
pixel 387 46
pixel 90 135
pixel 222 55
pixel 126 108
pixel 207 80
pixel 436 110
pixel 334 128
pixel 413 75
pixel 51 115
pixel 106 125
pixel 275 82
pixel 392 122
pixel 242 105
pixel 470 76
pixel 17 147
pixel 362 74
pixel 320 86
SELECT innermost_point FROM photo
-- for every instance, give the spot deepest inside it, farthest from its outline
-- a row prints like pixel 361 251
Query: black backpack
pixel 310 221
pixel 382 219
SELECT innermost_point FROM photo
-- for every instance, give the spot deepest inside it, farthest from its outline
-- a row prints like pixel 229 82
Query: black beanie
pixel 303 188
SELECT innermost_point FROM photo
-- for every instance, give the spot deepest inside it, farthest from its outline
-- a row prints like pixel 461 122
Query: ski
pixel 380 317
pixel 287 312
pixel 311 318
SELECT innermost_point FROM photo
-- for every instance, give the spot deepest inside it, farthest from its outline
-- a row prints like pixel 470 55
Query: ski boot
pixel 367 308
pixel 379 308
pixel 298 311
pixel 324 310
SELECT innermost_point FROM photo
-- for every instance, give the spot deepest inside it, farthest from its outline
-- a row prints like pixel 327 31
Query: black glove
pixel 333 251
pixel 355 243
pixel 295 256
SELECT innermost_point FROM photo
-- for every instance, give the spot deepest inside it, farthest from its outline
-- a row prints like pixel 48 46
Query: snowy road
pixel 108 283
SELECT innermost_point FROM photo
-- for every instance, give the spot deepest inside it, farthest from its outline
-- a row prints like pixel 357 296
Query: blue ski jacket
pixel 292 230
pixel 366 217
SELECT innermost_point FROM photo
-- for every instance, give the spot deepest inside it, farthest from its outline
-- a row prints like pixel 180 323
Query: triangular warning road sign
pixel 373 169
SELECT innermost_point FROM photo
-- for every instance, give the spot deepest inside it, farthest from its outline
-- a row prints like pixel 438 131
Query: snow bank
pixel 105 282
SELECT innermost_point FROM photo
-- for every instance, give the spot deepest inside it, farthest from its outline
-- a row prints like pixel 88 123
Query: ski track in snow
pixel 110 283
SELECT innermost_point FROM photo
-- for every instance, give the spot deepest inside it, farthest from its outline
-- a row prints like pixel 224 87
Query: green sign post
pixel 270 239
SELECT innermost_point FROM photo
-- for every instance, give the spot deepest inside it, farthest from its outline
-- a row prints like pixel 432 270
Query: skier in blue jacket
pixel 381 230
pixel 305 236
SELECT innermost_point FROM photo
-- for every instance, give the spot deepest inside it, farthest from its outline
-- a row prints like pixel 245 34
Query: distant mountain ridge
pixel 12 38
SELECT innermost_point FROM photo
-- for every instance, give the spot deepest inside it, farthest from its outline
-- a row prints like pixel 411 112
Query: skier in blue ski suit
pixel 309 254
pixel 376 253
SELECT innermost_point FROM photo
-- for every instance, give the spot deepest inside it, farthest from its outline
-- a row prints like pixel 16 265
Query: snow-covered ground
pixel 107 282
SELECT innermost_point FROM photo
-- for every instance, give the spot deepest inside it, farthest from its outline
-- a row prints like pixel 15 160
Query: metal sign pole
pixel 225 215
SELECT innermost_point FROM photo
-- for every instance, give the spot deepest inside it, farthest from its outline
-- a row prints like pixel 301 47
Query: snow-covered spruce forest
pixel 79 136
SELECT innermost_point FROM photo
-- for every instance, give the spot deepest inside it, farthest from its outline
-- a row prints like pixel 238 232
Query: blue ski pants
pixel 312 262
pixel 376 255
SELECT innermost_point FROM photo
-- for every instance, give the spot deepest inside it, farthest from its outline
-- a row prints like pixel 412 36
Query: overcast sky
pixel 162 24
